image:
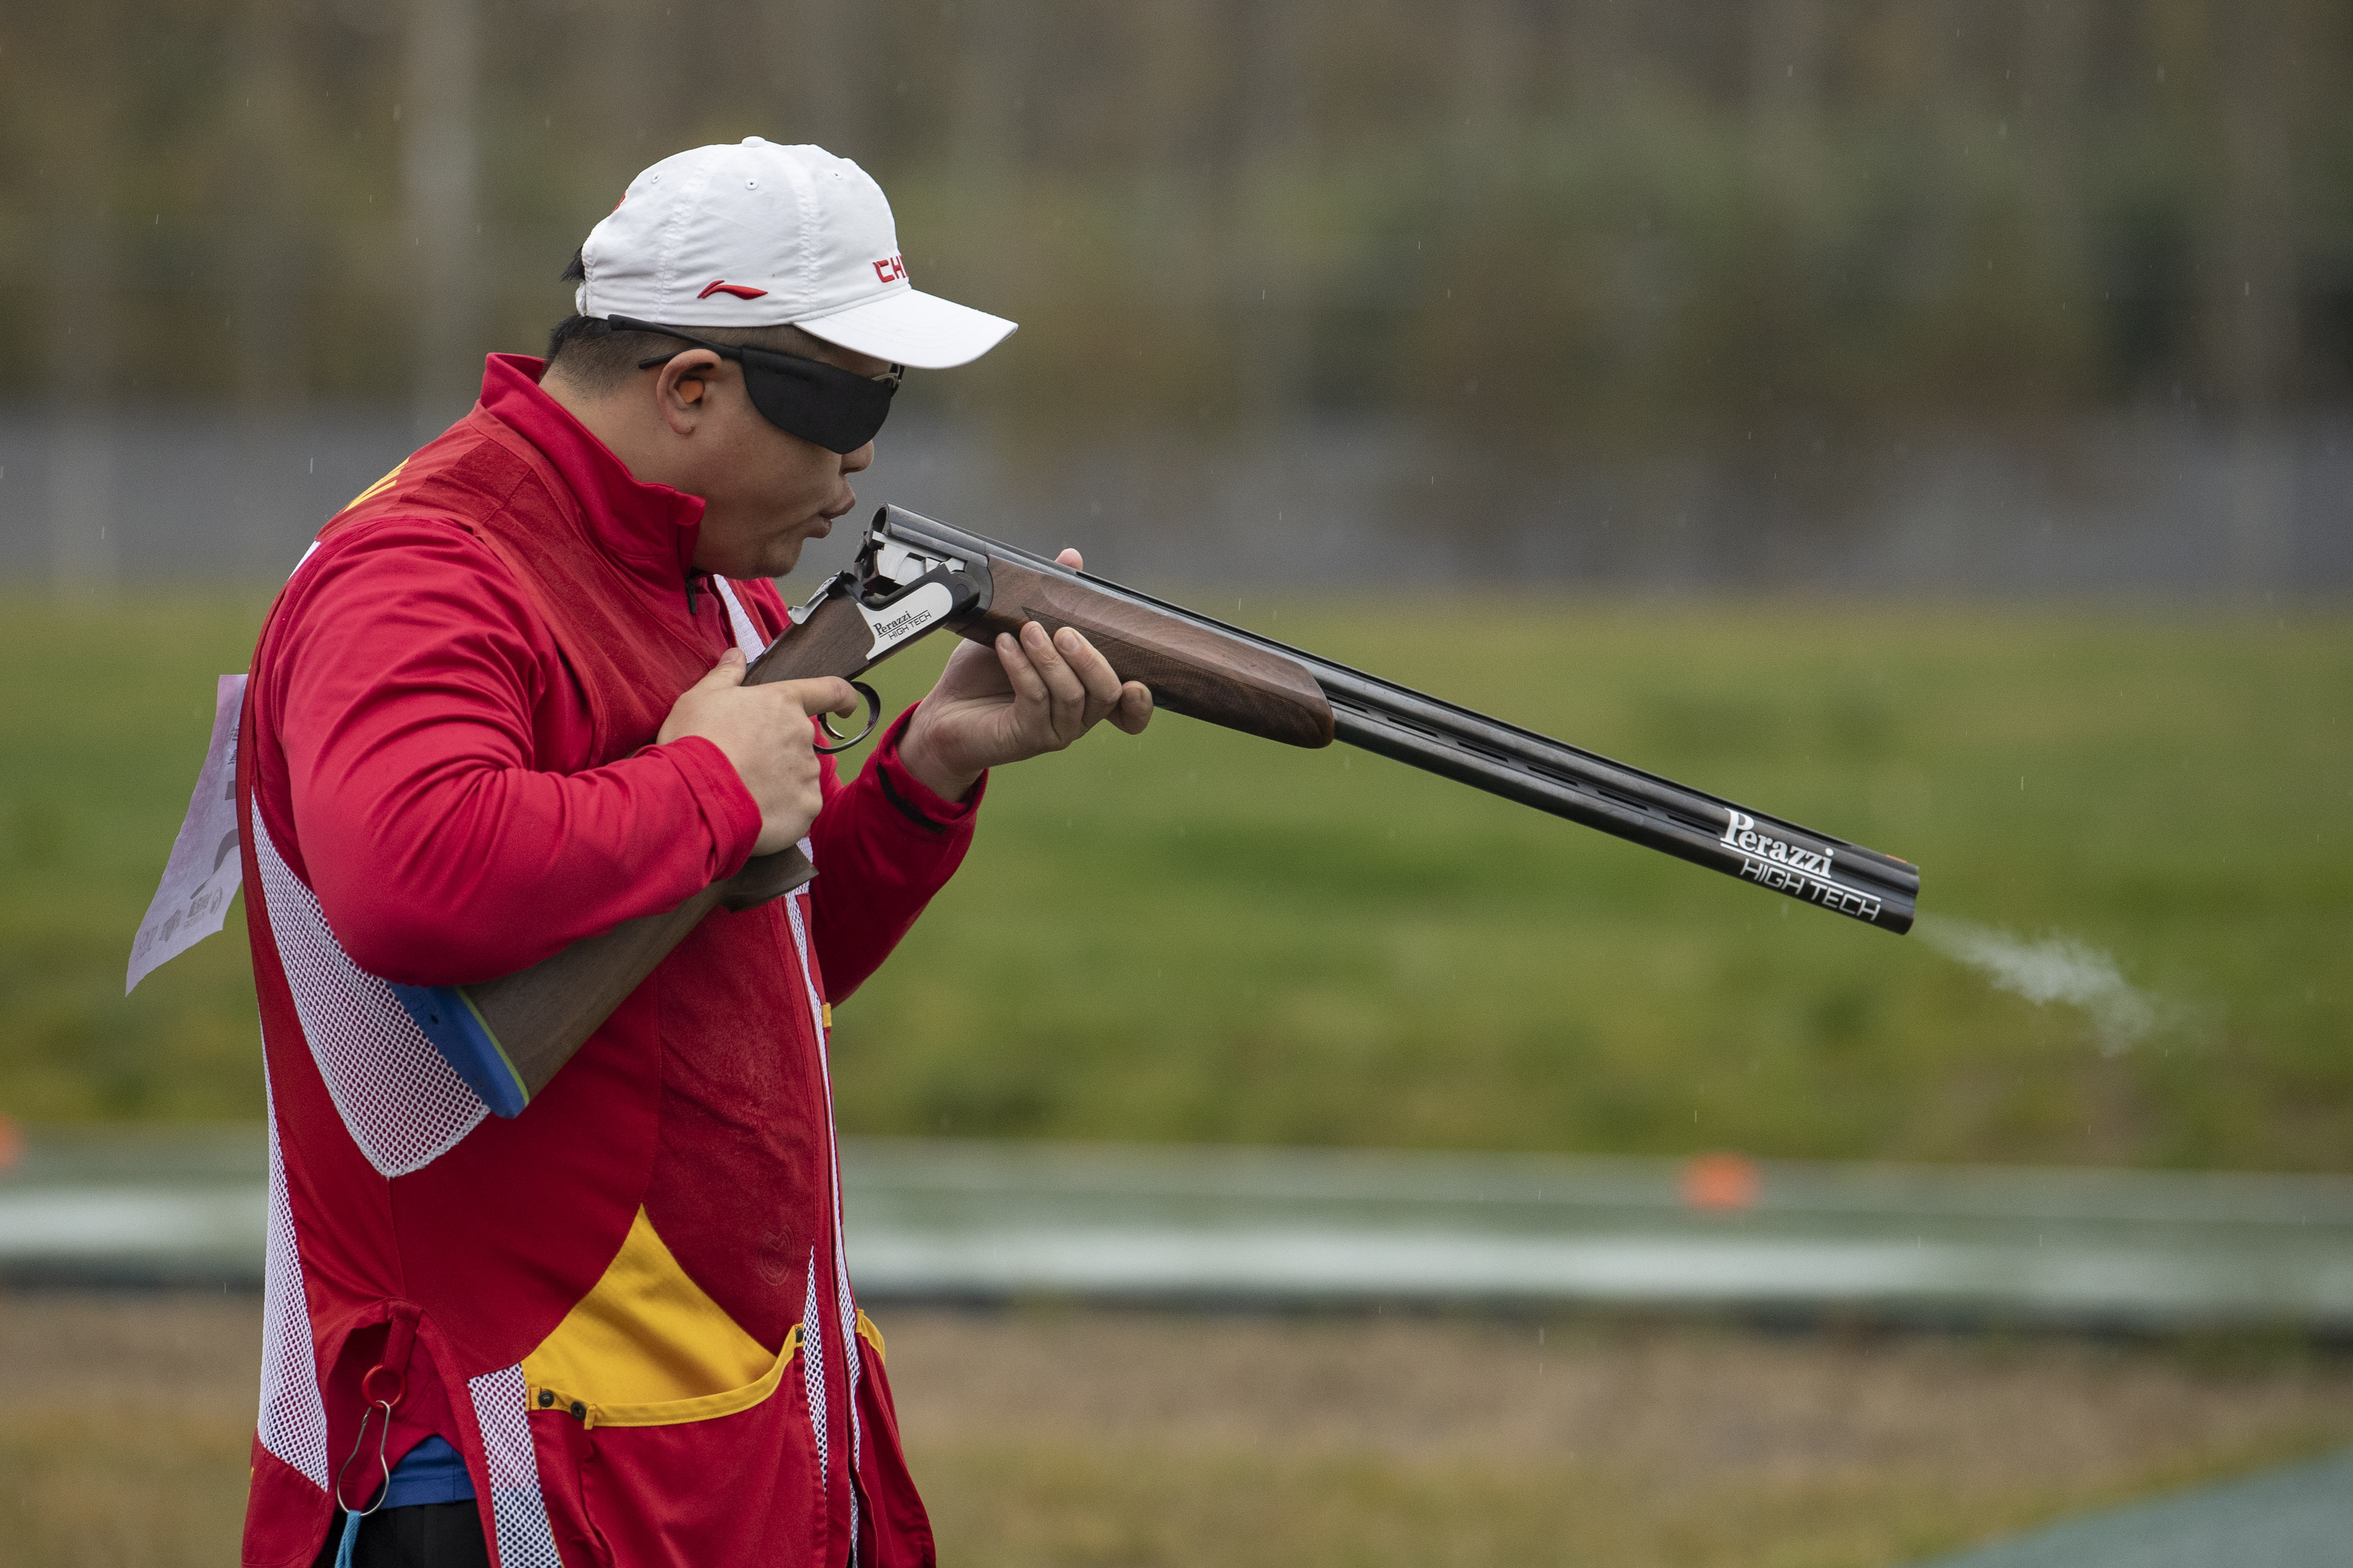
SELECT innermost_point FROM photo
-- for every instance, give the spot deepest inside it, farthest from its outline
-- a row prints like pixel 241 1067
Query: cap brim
pixel 920 330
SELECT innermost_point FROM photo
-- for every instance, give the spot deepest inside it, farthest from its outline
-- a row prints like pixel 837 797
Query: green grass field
pixel 1200 936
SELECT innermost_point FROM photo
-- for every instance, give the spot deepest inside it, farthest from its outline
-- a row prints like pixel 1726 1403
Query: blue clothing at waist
pixel 432 1471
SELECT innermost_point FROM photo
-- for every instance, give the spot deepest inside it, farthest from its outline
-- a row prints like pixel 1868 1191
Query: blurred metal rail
pixel 971 1220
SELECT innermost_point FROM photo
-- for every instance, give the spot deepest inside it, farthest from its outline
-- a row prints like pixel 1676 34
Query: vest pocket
pixel 591 1412
pixel 703 1488
pixel 646 1347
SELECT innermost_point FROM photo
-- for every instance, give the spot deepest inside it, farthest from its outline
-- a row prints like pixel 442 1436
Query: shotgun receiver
pixel 506 1037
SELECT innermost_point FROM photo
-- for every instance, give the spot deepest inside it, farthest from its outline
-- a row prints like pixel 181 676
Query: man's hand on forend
pixel 765 731
pixel 1023 697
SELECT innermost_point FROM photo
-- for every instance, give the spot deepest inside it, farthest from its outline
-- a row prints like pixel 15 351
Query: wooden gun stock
pixel 506 1037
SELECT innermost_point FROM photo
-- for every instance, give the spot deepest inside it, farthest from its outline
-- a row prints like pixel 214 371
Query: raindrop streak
pixel 2056 969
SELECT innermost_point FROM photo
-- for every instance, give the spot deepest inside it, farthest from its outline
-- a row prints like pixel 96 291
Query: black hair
pixel 595 357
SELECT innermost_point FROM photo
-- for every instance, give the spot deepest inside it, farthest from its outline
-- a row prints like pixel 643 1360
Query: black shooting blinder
pixel 838 409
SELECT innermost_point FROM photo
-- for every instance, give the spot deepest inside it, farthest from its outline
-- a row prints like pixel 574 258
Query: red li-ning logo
pixel 892 269
pixel 740 291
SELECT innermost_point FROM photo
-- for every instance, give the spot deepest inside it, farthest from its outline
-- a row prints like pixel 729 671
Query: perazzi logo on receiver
pixel 909 616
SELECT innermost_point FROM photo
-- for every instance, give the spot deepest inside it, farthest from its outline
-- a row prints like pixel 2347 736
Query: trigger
pixel 873 716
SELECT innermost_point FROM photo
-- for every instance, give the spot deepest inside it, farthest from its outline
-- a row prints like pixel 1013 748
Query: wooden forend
pixel 1194 670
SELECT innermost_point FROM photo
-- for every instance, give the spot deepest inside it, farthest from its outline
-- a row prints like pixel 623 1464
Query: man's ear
pixel 682 389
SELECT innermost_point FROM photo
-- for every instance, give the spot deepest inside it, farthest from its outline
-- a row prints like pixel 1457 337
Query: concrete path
pixel 2299 1517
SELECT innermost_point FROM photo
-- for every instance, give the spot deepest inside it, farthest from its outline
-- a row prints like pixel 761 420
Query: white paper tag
pixel 747 635
pixel 204 869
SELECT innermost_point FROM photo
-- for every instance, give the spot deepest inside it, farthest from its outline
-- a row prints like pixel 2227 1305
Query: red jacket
pixel 627 1306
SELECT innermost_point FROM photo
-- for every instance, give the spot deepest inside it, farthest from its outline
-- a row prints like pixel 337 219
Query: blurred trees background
pixel 1589 223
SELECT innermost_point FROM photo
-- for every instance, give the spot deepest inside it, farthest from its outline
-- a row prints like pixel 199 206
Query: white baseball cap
pixel 756 235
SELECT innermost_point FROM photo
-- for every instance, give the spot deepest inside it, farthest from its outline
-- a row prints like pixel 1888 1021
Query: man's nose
pixel 858 462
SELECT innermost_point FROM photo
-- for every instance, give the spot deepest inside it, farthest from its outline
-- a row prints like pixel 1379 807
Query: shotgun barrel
pixel 1427 732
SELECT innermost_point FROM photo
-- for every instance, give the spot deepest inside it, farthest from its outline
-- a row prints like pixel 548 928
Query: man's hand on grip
pixel 1023 697
pixel 765 731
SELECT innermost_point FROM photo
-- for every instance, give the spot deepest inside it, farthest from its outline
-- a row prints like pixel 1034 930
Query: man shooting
pixel 499 708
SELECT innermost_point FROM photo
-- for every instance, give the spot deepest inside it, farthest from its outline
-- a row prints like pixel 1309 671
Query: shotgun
pixel 507 1038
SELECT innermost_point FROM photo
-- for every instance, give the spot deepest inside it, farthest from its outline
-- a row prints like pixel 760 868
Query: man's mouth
pixel 825 520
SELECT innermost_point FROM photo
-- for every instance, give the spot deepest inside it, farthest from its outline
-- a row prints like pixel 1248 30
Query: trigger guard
pixel 843 743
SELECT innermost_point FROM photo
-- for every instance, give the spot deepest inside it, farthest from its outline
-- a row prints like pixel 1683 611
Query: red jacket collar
pixel 648 525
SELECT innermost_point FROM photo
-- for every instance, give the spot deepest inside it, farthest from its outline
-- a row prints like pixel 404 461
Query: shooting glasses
pixel 838 409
